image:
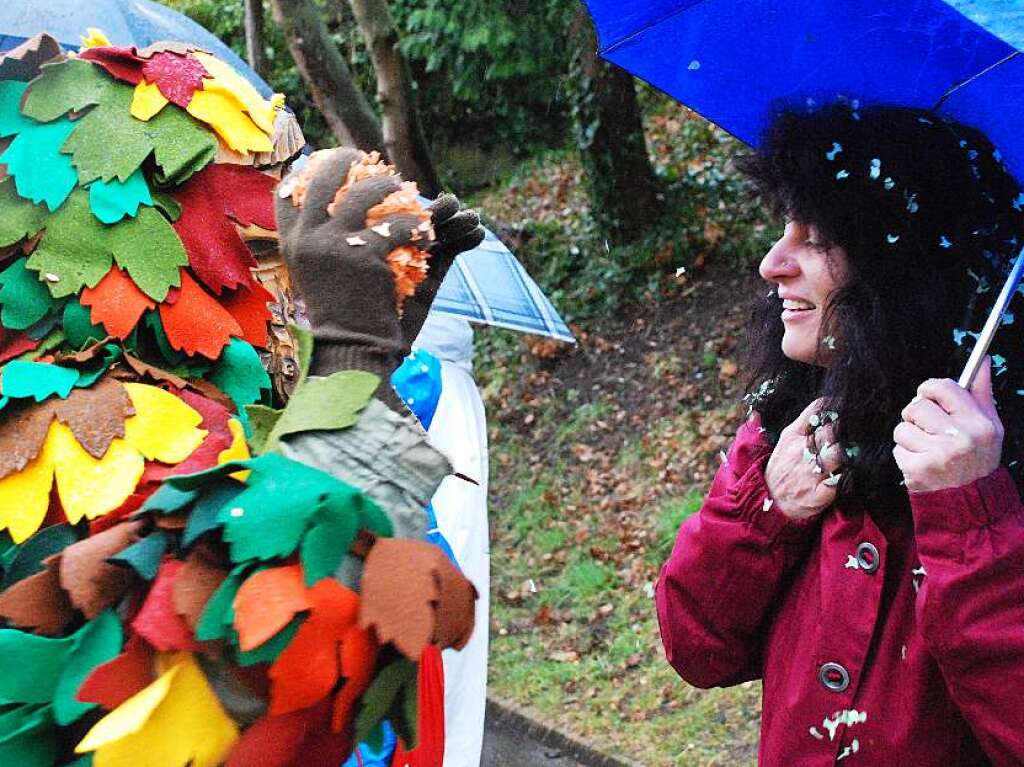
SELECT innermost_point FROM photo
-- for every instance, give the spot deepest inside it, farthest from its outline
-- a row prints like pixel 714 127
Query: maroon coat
pixel 879 641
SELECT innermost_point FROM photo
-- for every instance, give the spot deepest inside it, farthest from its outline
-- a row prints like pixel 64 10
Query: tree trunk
pixel 610 135
pixel 254 34
pixel 345 108
pixel 403 134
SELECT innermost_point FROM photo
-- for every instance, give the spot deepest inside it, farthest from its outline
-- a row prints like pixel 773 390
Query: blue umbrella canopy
pixel 735 62
pixel 124 22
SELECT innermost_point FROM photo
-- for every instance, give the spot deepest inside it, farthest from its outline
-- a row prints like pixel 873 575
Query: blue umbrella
pixel 737 63
pixel 489 285
pixel 124 22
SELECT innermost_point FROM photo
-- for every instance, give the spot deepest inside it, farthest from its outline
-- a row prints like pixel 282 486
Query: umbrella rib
pixel 650 25
pixel 971 79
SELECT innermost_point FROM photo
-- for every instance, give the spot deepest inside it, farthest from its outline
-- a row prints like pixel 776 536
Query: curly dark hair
pixel 930 220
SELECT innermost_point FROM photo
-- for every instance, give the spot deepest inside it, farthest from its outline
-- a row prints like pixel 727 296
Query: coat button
pixel 834 677
pixel 868 557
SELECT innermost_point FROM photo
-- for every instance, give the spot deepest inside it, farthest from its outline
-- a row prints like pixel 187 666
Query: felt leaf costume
pixel 180 559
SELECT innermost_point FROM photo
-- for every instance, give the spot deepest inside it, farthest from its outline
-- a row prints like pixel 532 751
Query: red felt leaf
pixel 250 310
pixel 158 622
pixel 212 202
pixel 219 438
pixel 357 656
pixel 196 323
pixel 125 510
pixel 267 602
pixel 271 741
pixel 177 75
pixel 116 303
pixel 115 681
pixel 14 343
pixel 308 668
pixel 122 63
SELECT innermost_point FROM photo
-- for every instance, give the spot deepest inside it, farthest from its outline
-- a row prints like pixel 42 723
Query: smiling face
pixel 805 272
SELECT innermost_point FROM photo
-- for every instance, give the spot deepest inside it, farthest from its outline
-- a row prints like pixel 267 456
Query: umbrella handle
pixel 992 323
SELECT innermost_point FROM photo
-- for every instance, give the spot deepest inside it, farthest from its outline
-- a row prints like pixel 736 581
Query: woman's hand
pixel 801 471
pixel 949 436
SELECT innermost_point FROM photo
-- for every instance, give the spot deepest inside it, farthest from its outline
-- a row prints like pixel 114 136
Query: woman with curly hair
pixel 861 549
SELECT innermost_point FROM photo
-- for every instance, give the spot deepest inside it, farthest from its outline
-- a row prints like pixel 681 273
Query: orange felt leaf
pixel 267 602
pixel 196 323
pixel 116 303
pixel 249 308
pixel 357 656
pixel 308 668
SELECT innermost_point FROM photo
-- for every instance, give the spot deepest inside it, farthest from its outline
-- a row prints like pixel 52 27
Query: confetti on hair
pixel 945 243
pixel 836 149
pixel 998 364
pixel 912 205
pixel 892 239
pixel 888 183
pixel 876 168
pixel 1018 203
pixel 842 174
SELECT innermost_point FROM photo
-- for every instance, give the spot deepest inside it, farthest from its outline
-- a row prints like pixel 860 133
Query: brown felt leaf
pixel 37 603
pixel 96 415
pixel 24 61
pixel 92 583
pixel 455 614
pixel 22 434
pixel 152 372
pixel 198 578
pixel 408 588
pixel 87 354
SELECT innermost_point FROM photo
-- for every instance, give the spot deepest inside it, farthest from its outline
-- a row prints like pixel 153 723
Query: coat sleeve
pixel 970 606
pixel 729 563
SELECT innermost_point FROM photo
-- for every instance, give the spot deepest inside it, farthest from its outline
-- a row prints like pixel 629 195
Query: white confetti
pixel 51 277
pixel 694 65
pixel 384 229
pixel 680 271
pixel 355 240
pixel 816 733
pixel 767 504
pixel 852 563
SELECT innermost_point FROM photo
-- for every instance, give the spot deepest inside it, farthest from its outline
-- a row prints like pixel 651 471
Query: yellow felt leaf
pixel 227 80
pixel 95 39
pixel 147 101
pixel 25 497
pixel 181 723
pixel 222 111
pixel 237 451
pixel 130 717
pixel 91 487
pixel 163 427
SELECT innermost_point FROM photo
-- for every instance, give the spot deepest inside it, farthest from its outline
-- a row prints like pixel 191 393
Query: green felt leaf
pixel 269 650
pixel 79 331
pixel 206 510
pixel 12 121
pixel 304 349
pixel 77 250
pixel 143 557
pixel 333 402
pixel 91 371
pixel 261 422
pixel 169 498
pixel 67 86
pixel 27 559
pixel 74 252
pixel 25 299
pixel 327 542
pixel 182 144
pixel 97 642
pixel 32 666
pixel 38 380
pixel 219 613
pixel 382 694
pixel 112 200
pixel 18 217
pixel 41 173
pixel 167 205
pixel 148 248
pixel 407 725
pixel 375 740
pixel 32 741
pixel 240 374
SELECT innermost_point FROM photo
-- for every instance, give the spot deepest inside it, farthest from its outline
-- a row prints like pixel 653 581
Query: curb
pixel 508 716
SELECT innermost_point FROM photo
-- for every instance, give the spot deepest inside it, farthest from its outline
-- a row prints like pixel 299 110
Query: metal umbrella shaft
pixel 992 323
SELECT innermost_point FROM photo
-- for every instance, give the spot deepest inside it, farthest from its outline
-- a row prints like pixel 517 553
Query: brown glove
pixel 457 231
pixel 339 265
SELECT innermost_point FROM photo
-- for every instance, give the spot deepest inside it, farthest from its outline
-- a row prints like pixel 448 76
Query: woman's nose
pixel 779 262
